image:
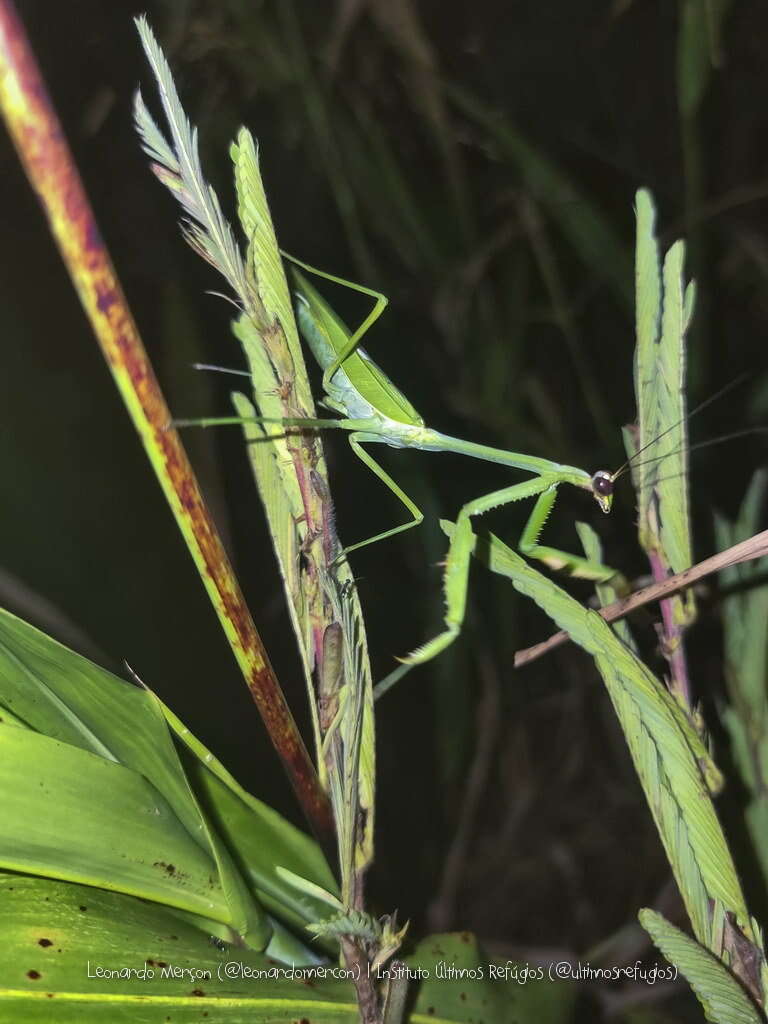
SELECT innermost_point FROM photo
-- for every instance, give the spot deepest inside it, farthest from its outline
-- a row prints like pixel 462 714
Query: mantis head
pixel 602 488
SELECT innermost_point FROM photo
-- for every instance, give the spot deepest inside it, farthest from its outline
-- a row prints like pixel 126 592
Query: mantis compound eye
pixel 602 488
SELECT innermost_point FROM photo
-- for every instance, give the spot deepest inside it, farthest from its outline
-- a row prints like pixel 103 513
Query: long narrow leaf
pixel 672 763
pixel 664 309
pixel 721 995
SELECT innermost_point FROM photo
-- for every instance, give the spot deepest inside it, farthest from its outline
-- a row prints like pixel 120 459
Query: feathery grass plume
pixel 178 167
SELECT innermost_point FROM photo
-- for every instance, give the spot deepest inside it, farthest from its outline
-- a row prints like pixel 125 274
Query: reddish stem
pixel 49 165
pixel 672 636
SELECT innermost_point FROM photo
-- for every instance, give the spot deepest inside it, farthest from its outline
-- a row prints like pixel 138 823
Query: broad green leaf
pixel 674 767
pixel 64 696
pixel 56 937
pixel 243 823
pixel 78 714
pixel 721 995
pixel 465 985
pixel 74 815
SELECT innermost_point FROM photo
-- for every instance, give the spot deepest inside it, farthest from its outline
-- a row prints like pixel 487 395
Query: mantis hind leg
pixel 381 302
pixel 356 441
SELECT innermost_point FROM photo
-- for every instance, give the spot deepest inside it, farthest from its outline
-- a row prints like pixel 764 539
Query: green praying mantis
pixel 374 411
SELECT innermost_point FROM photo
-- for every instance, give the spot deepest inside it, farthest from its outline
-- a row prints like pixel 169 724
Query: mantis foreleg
pixel 456 574
pixel 574 565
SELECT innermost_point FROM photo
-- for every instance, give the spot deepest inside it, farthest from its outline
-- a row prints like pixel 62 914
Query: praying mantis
pixel 374 411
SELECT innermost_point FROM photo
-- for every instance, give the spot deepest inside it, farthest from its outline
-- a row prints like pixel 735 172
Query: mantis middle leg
pixel 356 440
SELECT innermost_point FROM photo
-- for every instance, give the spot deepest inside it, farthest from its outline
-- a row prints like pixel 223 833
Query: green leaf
pixel 119 732
pixel 673 765
pixel 664 307
pixel 74 815
pixel 56 937
pixel 721 995
pixel 82 745
pixel 263 260
pixel 606 591
pixel 262 842
pixel 68 698
pixel 465 985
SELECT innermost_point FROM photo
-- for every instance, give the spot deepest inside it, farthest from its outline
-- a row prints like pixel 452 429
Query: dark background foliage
pixel 477 163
